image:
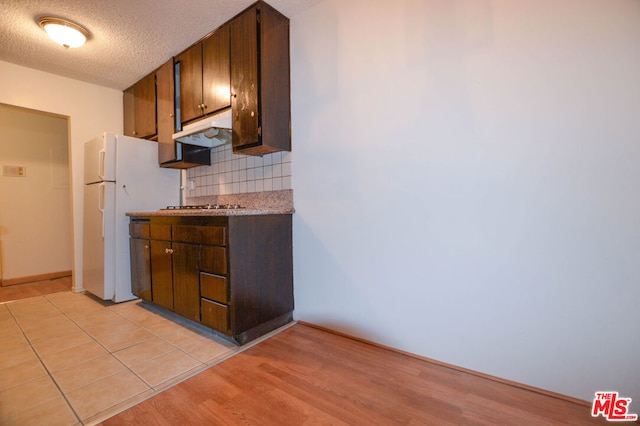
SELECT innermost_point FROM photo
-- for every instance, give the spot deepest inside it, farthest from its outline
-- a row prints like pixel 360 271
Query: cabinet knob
pixel 171 115
pixel 204 106
pixel 168 251
pixel 134 132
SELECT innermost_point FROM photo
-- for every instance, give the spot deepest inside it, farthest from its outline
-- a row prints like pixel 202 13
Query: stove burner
pixel 206 207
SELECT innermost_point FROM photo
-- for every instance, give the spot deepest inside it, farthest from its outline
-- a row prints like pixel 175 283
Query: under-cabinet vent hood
pixel 209 132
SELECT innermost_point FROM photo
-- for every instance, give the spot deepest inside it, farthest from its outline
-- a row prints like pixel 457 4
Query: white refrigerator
pixel 121 174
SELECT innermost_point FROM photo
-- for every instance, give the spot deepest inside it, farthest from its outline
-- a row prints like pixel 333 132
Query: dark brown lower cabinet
pixel 161 273
pixel 233 274
pixel 140 268
pixel 186 284
pixel 215 315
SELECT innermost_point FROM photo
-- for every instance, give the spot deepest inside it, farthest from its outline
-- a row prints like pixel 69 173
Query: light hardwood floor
pixel 304 375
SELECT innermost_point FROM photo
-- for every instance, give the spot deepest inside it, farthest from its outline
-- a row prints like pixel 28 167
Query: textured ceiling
pixel 129 38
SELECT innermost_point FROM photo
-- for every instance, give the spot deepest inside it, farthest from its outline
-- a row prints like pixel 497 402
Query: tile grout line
pixel 64 396
pixel 154 389
pixel 109 352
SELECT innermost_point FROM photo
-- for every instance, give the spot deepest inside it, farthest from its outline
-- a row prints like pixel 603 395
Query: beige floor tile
pixel 53 412
pixel 73 302
pixel 9 344
pixel 206 349
pixel 124 338
pixel 65 328
pixel 105 394
pixel 26 396
pixel 18 355
pixel 176 334
pixel 69 357
pixel 165 367
pixel 21 373
pixel 73 335
pixel 114 326
pixel 93 318
pixel 36 320
pixel 9 329
pixel 159 326
pixel 46 347
pixel 144 351
pixel 6 317
pixel 138 312
pixel 32 308
pixel 37 323
pixel 88 372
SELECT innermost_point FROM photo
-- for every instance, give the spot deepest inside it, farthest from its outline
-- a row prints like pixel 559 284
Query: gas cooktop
pixel 206 207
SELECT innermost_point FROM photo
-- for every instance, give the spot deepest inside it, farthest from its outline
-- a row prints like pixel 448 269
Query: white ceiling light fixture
pixel 63 32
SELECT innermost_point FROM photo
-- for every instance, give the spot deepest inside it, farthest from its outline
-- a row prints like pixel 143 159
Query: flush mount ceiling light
pixel 63 32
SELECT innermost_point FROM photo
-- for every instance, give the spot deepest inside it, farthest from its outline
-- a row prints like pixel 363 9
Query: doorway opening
pixel 35 188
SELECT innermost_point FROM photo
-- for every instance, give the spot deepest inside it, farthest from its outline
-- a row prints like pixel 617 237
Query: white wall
pixel 466 183
pixel 35 212
pixel 91 110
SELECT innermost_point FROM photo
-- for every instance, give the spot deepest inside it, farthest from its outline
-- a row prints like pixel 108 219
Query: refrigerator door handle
pixel 101 167
pixel 101 194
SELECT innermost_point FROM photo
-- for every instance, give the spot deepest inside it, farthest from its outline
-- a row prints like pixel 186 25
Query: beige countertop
pixel 257 203
pixel 212 212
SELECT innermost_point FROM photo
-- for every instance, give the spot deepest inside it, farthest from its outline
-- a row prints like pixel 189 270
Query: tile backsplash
pixel 240 174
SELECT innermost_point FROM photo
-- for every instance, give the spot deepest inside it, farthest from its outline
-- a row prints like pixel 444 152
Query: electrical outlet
pixel 14 171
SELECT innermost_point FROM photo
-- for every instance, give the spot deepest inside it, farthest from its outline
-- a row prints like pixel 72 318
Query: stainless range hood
pixel 209 132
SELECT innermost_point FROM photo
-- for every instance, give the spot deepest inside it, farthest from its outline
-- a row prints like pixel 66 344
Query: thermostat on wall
pixel 14 171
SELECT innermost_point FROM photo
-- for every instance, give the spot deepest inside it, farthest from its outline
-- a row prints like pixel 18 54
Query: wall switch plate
pixel 14 171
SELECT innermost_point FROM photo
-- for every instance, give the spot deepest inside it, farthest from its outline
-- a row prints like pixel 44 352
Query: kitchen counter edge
pixel 211 212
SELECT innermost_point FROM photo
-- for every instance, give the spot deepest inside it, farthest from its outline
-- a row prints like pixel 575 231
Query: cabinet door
pixel 128 105
pixel 161 273
pixel 215 71
pixel 186 281
pixel 190 83
pixel 140 268
pixel 244 79
pixel 166 113
pixel 145 107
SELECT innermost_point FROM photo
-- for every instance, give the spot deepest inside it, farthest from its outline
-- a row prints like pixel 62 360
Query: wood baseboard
pixel 541 391
pixel 34 278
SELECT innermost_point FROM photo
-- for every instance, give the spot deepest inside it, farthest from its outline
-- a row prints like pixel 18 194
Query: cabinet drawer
pixel 160 231
pixel 215 315
pixel 213 259
pixel 214 287
pixel 200 234
pixel 139 230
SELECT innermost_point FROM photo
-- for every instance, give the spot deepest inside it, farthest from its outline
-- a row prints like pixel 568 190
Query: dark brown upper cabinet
pixel 173 154
pixel 244 65
pixel 260 81
pixel 166 112
pixel 140 108
pixel 204 76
